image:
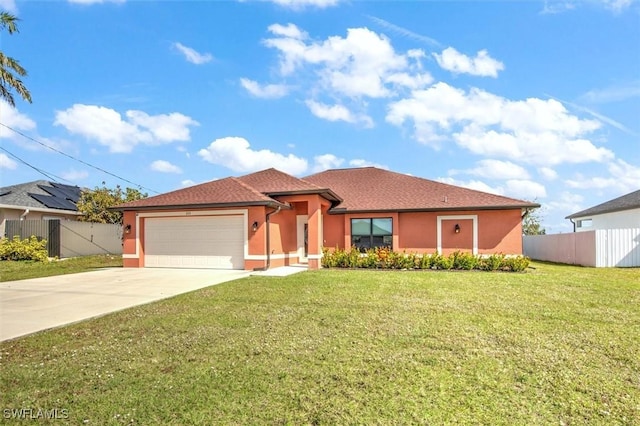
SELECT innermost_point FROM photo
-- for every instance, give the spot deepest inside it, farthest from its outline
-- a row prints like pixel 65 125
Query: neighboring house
pixel 619 213
pixel 39 200
pixel 270 218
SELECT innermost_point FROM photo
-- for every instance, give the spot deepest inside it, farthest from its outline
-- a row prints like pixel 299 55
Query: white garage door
pixel 194 242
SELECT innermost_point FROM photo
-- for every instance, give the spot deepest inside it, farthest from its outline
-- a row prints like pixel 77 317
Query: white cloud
pixel 359 162
pixel 290 30
pixel 164 127
pixel 353 66
pixel 548 173
pixel 236 154
pixel 524 189
pixel 473 184
pixel 617 6
pixel 302 4
pixel 482 65
pixel 410 81
pixel 75 175
pixel 11 117
pixel 532 131
pixel 108 128
pixel 623 178
pixel 187 182
pixel 404 31
pixel 163 166
pixel 495 169
pixel 9 6
pixel 325 162
pixel 616 93
pixel 191 55
pixel 337 113
pixel 521 189
pixel 87 2
pixel 566 203
pixel 267 91
pixel 7 163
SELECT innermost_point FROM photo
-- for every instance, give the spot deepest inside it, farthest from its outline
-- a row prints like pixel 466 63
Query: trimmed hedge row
pixel 27 249
pixel 384 258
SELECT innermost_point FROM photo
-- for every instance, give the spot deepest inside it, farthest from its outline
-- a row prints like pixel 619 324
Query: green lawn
pixel 10 271
pixel 557 345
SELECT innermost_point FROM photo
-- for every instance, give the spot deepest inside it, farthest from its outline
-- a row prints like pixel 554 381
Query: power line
pixel 50 176
pixel 75 159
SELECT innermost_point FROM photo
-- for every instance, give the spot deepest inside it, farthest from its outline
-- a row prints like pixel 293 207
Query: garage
pixel 215 242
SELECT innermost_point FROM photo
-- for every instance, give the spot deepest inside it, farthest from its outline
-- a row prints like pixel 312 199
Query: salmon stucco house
pixel 270 218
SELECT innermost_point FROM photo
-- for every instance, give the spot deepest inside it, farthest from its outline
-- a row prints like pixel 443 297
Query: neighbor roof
pixel 625 202
pixel 41 194
pixel 229 191
pixel 374 189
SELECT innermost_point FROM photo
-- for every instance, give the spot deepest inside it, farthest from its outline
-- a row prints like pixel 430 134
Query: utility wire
pixel 50 176
pixel 76 159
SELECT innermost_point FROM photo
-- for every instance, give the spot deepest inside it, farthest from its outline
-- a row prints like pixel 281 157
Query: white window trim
pixel 473 217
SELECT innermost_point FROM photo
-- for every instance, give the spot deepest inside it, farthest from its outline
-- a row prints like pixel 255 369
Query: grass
pixel 555 345
pixel 11 271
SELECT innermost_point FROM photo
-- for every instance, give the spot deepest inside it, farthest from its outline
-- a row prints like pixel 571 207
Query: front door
pixel 303 237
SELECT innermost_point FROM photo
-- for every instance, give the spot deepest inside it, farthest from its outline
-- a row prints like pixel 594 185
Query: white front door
pixel 303 237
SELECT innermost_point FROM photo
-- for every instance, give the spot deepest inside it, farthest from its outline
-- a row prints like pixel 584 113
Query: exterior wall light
pixel 254 226
pixel 127 228
pixel 457 229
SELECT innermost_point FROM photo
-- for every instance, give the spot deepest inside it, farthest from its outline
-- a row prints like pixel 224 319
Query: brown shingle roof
pixel 228 191
pixel 373 189
pixel 274 181
pixel 626 202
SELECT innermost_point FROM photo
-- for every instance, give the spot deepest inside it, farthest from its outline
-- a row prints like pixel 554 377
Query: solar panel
pixel 54 202
pixel 67 192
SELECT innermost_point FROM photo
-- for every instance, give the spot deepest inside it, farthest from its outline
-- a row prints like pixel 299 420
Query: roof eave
pixel 41 209
pixel 325 192
pixel 588 212
pixel 273 204
pixel 433 209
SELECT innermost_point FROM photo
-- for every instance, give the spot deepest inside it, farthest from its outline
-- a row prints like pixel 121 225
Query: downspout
pixel 267 223
pixel 23 215
pixel 574 224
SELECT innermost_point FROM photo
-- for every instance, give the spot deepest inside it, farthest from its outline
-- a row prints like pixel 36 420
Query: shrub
pixel 439 261
pixel 26 249
pixel 491 263
pixel 515 264
pixel 385 258
pixel 425 262
pixel 463 261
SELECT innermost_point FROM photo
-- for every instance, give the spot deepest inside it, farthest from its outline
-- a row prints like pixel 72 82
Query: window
pixel 585 223
pixel 370 233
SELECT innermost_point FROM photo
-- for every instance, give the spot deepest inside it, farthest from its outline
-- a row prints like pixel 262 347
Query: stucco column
pixel 314 212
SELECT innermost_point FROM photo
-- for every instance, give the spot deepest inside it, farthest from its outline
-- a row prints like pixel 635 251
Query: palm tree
pixel 9 67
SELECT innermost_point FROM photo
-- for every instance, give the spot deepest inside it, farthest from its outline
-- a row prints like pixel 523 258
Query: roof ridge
pixel 249 187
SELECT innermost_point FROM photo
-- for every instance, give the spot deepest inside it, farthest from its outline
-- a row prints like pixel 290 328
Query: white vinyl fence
pixel 599 248
pixel 86 238
pixel 70 238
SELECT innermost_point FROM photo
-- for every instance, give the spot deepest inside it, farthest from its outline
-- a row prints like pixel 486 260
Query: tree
pixel 531 223
pixel 95 204
pixel 9 67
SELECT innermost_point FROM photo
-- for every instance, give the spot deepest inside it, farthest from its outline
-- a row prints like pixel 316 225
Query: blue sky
pixel 537 100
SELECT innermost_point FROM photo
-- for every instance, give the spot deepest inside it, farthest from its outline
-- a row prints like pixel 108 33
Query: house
pixel 270 218
pixel 619 213
pixel 38 200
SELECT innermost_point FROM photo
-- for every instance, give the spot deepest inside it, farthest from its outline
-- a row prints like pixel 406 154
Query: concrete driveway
pixel 27 306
